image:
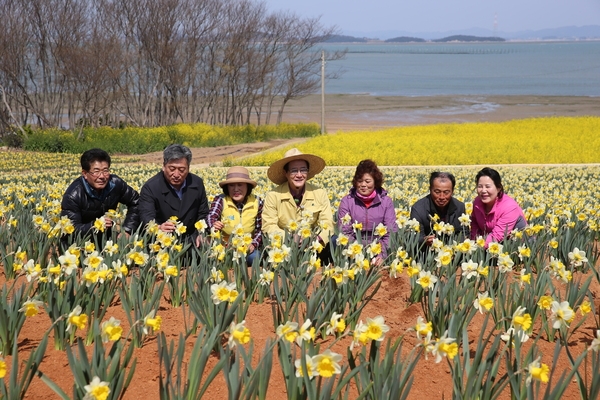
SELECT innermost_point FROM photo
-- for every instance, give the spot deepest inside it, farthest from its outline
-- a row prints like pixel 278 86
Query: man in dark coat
pixel 438 202
pixel 94 193
pixel 175 192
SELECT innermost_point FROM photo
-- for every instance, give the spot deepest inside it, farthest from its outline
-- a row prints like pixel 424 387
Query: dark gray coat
pixel 424 208
pixel 159 202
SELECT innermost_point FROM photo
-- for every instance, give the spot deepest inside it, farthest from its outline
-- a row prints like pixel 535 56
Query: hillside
pixel 469 38
pixel 405 39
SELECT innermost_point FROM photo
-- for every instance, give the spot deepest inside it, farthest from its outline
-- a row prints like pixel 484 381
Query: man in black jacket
pixel 438 202
pixel 94 193
pixel 174 192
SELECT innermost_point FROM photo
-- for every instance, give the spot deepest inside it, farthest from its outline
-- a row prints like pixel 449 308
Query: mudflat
pixel 345 112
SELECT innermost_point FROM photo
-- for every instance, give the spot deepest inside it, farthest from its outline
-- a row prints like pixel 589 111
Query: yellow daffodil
pixel 483 303
pixel 238 334
pixel 521 320
pixel 357 226
pixel 3 368
pixel 538 371
pixel 310 368
pixel 336 324
pixel 306 332
pixel 152 323
pixel 545 302
pixel 288 331
pixel 31 307
pixel 111 330
pixel 97 389
pixel 266 277
pixel 585 307
pixel 76 319
pixel 201 225
pixel 445 347
pixel 426 280
pixel 223 291
pixel 327 364
pixel 562 314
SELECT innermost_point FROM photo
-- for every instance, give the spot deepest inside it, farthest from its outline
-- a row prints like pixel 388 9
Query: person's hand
pixel 167 227
pixel 429 240
pixel 127 235
pixel 251 249
pixel 217 226
pixel 378 261
pixel 108 223
pixel 198 240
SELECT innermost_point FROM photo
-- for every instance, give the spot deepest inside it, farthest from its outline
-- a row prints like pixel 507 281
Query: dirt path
pixel 206 156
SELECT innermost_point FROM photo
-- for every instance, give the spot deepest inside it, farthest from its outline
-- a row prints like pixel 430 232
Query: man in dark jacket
pixel 96 192
pixel 174 192
pixel 438 202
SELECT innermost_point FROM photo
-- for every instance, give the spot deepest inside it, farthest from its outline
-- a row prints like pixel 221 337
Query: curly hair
pixel 368 167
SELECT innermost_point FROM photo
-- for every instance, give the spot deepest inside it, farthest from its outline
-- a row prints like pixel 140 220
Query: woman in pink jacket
pixel 495 214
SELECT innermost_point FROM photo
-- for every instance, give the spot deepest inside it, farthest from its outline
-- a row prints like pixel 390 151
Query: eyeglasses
pixel 303 171
pixel 97 172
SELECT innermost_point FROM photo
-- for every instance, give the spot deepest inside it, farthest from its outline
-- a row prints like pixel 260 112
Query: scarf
pixel 367 200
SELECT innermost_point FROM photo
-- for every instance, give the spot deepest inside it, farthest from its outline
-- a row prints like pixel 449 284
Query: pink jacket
pixel 505 216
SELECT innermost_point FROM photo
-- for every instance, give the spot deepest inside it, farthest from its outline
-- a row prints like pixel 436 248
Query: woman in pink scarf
pixel 367 205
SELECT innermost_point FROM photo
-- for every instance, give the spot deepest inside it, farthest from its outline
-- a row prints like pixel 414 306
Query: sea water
pixel 507 68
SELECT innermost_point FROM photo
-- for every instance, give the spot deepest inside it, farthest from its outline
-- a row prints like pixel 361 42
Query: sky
pixel 353 16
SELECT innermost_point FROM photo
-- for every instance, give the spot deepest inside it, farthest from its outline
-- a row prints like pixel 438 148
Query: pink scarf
pixel 367 200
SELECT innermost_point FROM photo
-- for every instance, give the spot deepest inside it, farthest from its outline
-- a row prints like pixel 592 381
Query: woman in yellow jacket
pixel 238 206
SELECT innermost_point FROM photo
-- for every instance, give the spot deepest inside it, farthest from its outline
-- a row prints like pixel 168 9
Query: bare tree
pixel 153 62
pixel 300 65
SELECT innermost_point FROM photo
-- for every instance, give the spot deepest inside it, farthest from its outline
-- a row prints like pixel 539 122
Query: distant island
pixel 410 39
pixel 405 39
pixel 345 39
pixel 468 38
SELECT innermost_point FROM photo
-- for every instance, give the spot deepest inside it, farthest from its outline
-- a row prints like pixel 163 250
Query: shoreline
pixel 351 112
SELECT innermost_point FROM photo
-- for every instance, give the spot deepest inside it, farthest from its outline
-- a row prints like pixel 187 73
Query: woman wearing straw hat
pixel 237 205
pixel 295 197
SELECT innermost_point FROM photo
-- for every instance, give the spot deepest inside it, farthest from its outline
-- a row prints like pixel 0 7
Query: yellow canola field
pixel 553 140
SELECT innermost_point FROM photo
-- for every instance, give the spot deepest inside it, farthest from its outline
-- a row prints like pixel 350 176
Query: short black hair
pixel 441 175
pixel 494 176
pixel 92 155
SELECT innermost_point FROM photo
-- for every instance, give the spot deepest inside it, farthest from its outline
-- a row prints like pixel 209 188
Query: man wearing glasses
pixel 438 206
pixel 94 193
pixel 294 199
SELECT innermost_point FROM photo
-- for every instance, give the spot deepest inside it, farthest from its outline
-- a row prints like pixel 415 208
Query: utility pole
pixel 322 92
pixel 495 24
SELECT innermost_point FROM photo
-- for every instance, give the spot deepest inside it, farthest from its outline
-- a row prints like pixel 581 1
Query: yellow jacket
pixel 231 217
pixel 280 209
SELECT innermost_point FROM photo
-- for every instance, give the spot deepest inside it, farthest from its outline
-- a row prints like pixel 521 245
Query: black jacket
pixel 82 206
pixel 159 202
pixel 424 208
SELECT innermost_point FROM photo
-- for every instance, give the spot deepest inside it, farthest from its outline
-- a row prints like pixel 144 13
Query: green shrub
pixel 54 141
pixel 135 140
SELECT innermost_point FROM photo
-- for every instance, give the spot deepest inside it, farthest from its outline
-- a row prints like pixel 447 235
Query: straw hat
pixel 276 173
pixel 237 175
